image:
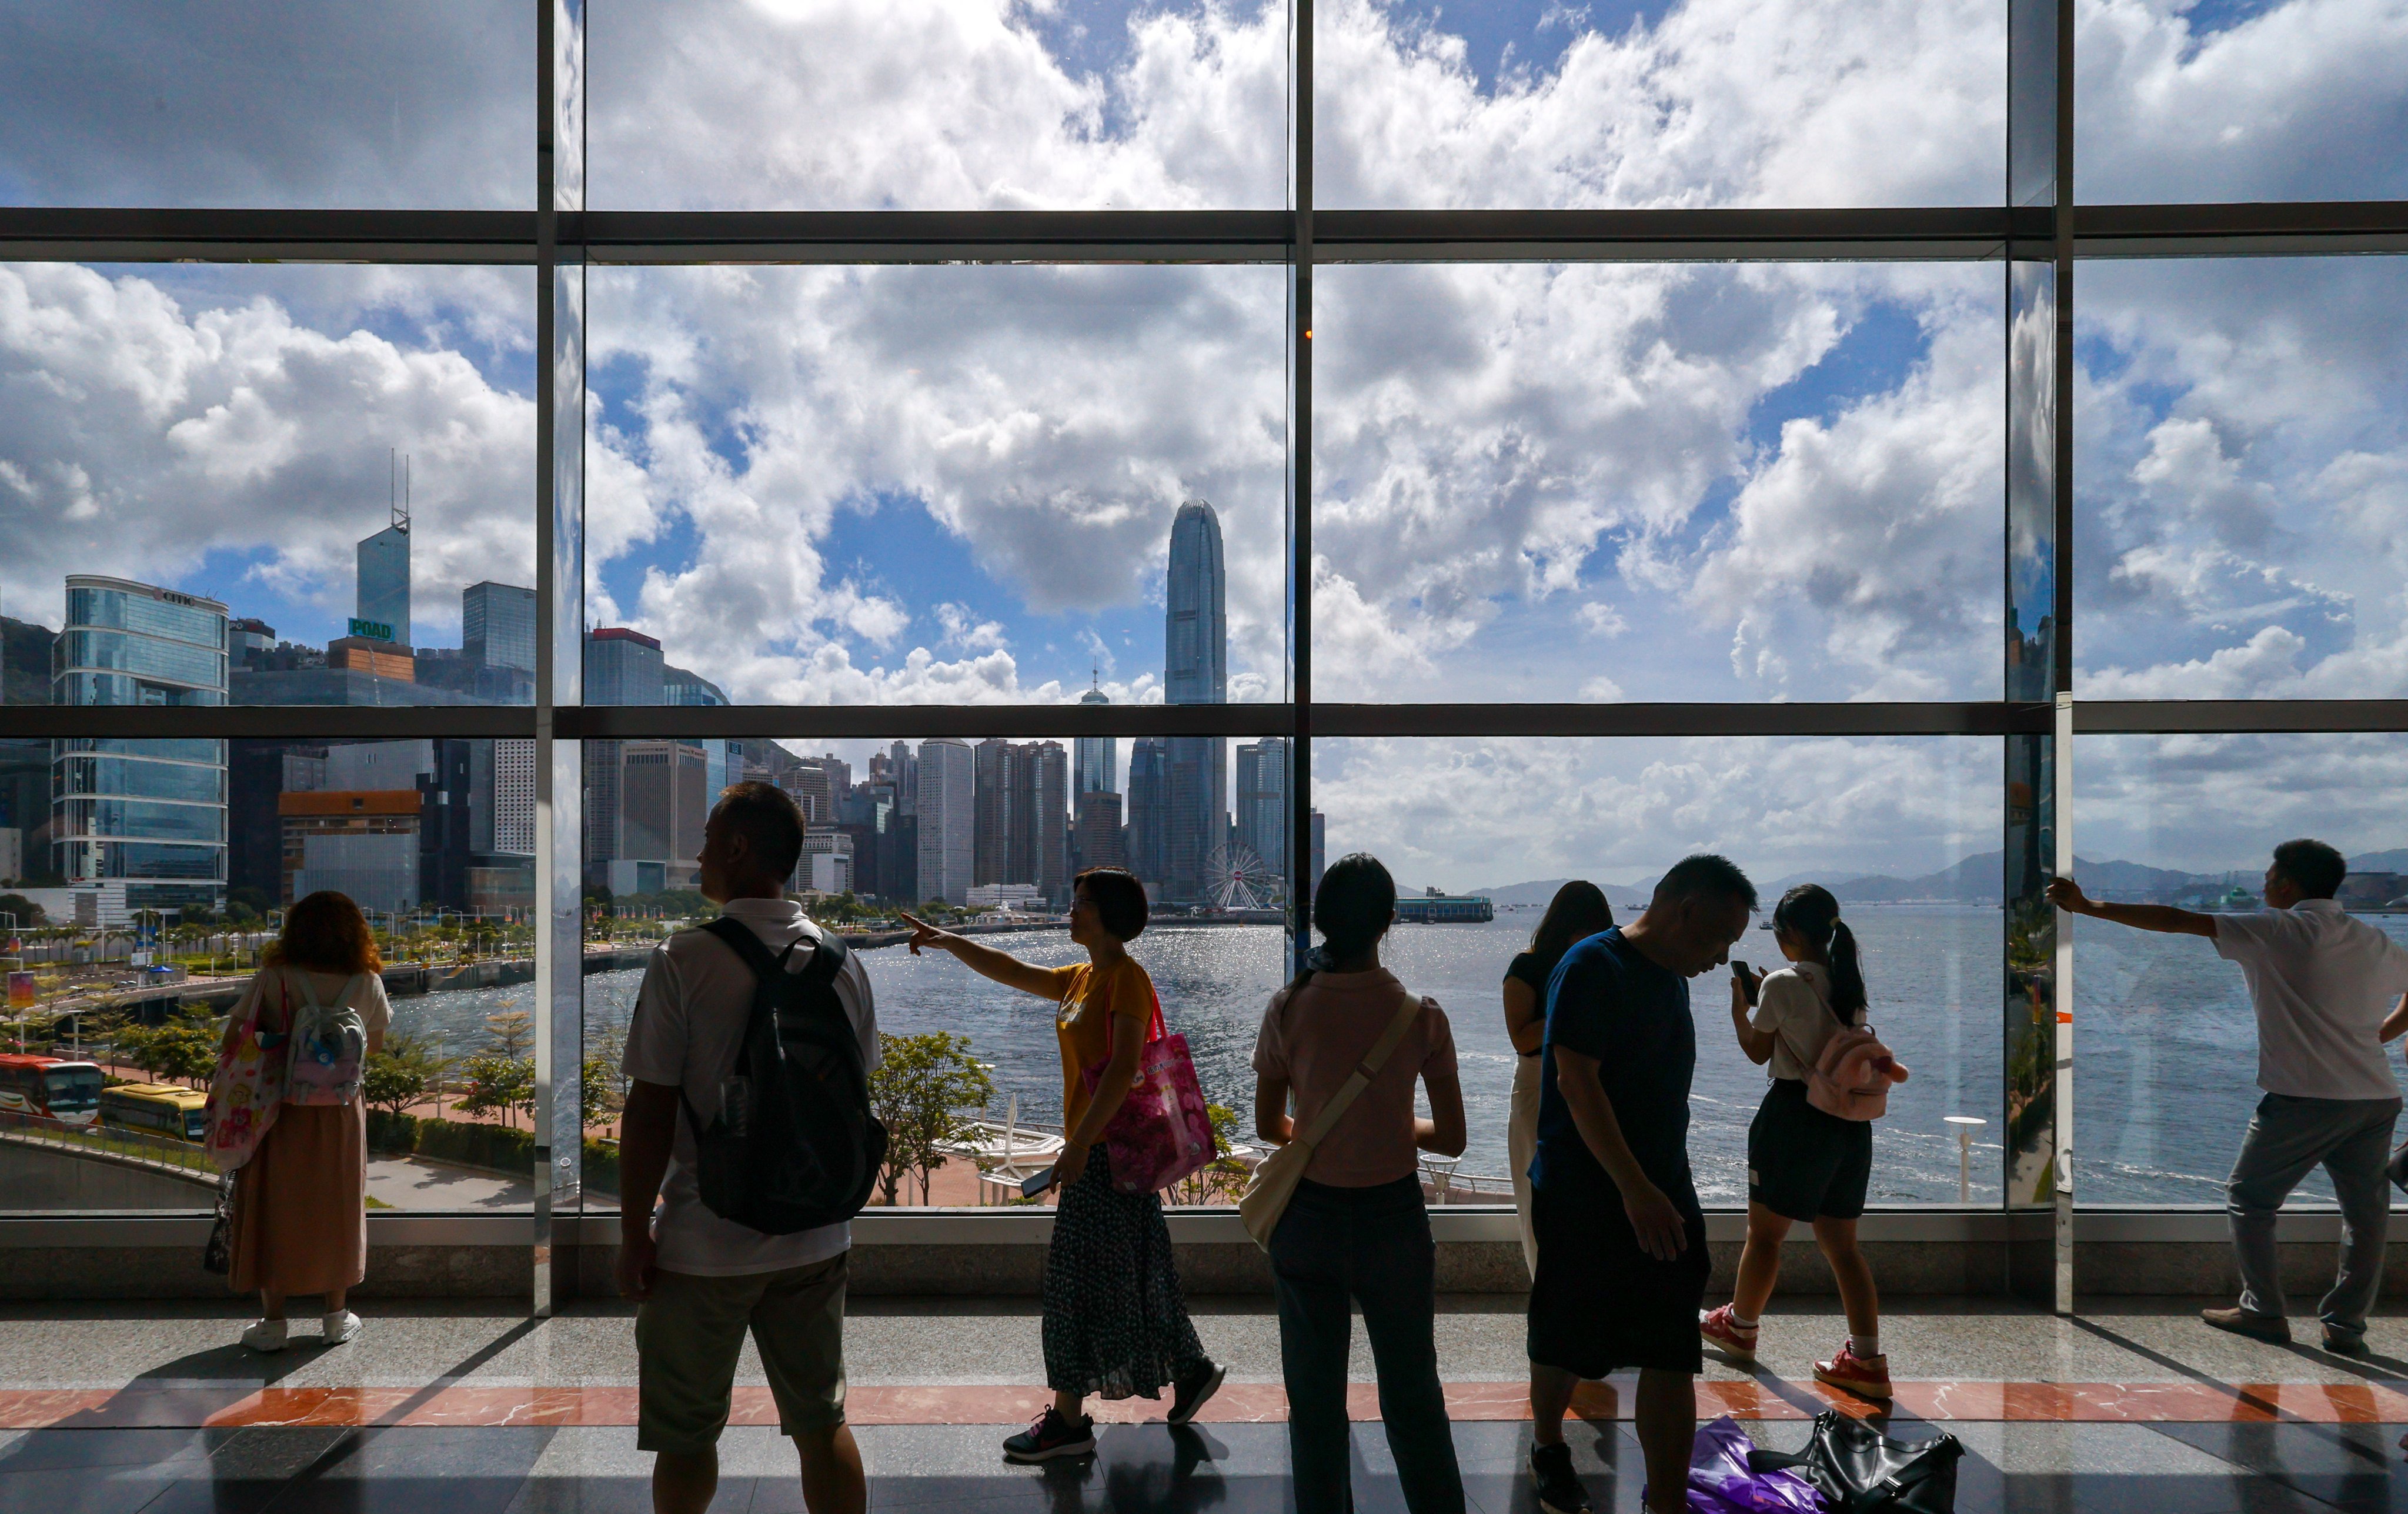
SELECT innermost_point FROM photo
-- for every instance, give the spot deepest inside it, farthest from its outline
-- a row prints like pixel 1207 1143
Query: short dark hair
pixel 771 822
pixel 2316 868
pixel 1354 902
pixel 1704 875
pixel 1119 900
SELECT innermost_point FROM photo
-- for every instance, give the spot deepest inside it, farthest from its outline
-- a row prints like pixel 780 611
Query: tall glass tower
pixel 1092 770
pixel 1196 656
pixel 139 824
pixel 384 578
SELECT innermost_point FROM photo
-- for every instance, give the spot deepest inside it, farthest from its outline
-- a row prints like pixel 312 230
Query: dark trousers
pixel 1370 1245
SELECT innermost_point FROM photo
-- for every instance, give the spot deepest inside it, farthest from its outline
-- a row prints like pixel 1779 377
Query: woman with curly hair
pixel 300 1202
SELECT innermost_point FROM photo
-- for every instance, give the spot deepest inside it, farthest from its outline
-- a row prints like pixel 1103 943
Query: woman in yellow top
pixel 1115 1321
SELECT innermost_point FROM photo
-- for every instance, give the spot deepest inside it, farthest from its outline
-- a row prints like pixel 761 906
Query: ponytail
pixel 1847 975
pixel 1810 913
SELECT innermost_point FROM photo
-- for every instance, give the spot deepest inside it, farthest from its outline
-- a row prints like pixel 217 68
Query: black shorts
pixel 1599 1303
pixel 1803 1165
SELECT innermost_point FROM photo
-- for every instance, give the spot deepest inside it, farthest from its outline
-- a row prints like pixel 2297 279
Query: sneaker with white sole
pixel 341 1326
pixel 1720 1329
pixel 1868 1376
pixel 268 1335
pixel 1049 1435
pixel 1553 1481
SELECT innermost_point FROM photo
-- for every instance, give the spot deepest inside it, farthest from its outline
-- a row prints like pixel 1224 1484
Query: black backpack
pixel 793 1146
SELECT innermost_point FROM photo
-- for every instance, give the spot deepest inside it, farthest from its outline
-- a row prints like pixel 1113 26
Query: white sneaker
pixel 267 1336
pixel 342 1326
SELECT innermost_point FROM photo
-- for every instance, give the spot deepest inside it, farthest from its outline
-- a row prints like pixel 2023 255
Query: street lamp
pixel 1966 1125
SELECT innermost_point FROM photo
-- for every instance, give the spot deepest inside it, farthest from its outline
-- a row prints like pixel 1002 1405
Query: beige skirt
pixel 300 1204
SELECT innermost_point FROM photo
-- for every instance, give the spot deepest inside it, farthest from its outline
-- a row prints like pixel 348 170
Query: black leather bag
pixel 1859 1470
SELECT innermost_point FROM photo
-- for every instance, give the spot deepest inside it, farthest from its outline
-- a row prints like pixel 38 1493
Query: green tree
pixel 498 1085
pixel 1223 1178
pixel 184 1049
pixel 597 1085
pixel 398 1075
pixel 918 1091
pixel 512 1031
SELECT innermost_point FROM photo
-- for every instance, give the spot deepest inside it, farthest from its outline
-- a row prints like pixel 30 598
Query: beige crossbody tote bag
pixel 1274 1182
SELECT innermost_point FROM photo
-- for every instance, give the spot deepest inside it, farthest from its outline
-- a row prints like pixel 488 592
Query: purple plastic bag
pixel 1721 1483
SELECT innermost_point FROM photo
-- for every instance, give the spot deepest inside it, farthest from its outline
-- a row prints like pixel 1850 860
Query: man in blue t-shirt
pixel 1622 1241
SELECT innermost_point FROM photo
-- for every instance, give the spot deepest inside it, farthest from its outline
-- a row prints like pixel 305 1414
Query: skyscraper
pixel 383 594
pixel 947 822
pixel 1047 791
pixel 139 824
pixel 995 764
pixel 1262 799
pixel 497 626
pixel 1092 756
pixel 903 768
pixel 623 667
pixel 1146 801
pixel 1196 653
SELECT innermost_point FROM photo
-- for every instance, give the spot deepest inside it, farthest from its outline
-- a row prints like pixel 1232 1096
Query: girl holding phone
pixel 1803 1165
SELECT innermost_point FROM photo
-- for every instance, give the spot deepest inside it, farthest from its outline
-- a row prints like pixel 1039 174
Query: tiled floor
pixel 112 1410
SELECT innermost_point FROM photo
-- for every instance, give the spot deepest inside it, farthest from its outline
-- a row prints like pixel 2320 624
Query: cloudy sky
pixel 916 484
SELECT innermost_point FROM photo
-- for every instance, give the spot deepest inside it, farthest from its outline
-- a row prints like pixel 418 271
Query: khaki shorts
pixel 691 1332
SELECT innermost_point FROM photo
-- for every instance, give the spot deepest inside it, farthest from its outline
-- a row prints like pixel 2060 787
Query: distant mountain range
pixel 1976 880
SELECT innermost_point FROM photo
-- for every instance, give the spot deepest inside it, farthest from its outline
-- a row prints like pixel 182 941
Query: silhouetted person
pixel 1578 912
pixel 2322 983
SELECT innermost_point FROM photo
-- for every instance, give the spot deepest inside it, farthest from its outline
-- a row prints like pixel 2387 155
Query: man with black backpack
pixel 748 1118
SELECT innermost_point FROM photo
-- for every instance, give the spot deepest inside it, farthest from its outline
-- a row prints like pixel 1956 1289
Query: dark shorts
pixel 1803 1165
pixel 1599 1303
pixel 690 1334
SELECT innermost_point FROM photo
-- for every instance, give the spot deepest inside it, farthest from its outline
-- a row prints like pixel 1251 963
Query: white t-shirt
pixel 689 1026
pixel 1794 1006
pixel 2321 984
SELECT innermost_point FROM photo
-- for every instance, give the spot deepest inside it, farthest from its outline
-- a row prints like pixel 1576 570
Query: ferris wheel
pixel 1240 880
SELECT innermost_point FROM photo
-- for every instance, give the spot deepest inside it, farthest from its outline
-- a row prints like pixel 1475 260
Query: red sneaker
pixel 1721 1331
pixel 1868 1376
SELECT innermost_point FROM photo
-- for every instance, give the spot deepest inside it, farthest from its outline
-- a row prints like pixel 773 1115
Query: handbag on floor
pixel 1162 1132
pixel 1274 1182
pixel 1859 1470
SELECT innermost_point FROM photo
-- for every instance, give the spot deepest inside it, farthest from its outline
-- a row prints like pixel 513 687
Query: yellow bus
pixel 162 1108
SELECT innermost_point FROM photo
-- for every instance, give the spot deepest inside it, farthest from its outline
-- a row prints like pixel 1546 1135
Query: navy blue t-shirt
pixel 1608 1001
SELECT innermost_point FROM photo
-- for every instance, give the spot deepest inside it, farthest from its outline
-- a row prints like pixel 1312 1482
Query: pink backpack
pixel 1851 1079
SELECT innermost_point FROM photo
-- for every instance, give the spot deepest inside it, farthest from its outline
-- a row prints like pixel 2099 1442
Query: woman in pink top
pixel 1358 1229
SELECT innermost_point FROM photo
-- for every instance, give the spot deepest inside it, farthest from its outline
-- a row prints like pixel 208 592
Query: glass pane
pixel 2239 100
pixel 986 836
pixel 1531 105
pixel 146 878
pixel 1906 831
pixel 1679 481
pixel 922 106
pixel 191 506
pixel 2167 1070
pixel 2241 443
pixel 814 486
pixel 282 104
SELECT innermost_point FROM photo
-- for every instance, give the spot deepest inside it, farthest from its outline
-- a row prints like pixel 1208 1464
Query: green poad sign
pixel 376 631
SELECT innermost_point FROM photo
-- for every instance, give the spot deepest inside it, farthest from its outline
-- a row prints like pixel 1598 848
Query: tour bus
pixel 163 1108
pixel 52 1087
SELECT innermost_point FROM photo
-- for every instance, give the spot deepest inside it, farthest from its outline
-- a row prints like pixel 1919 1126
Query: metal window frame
pixel 557 236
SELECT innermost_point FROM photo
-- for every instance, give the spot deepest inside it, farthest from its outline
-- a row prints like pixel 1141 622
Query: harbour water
pixel 2167 1047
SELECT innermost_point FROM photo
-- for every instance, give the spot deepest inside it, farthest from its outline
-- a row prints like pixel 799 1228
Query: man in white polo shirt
pixel 704 1281
pixel 2329 991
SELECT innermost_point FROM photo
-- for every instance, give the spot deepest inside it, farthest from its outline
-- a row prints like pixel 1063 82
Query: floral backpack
pixel 247 1087
pixel 329 1044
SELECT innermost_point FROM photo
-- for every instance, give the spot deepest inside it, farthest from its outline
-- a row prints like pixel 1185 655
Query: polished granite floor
pixel 476 1410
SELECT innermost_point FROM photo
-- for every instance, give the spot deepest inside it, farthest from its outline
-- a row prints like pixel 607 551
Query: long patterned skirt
pixel 1116 1325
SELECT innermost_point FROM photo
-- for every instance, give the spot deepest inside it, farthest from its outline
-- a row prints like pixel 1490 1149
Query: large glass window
pixel 856 485
pixel 1609 481
pixel 268 486
pixel 1687 103
pixel 278 104
pixel 2166 1035
pixel 2242 471
pixel 1904 831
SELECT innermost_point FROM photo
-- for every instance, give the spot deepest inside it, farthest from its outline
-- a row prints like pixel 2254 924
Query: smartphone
pixel 1036 1183
pixel 1746 979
